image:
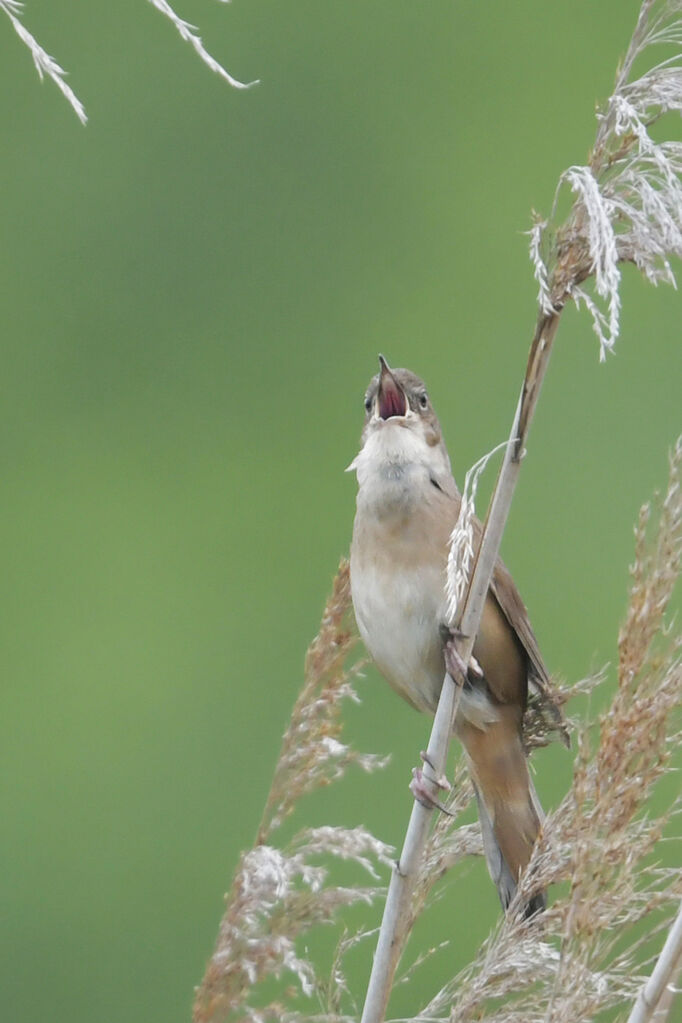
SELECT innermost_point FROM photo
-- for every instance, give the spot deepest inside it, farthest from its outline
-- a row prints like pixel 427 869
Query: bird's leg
pixel 421 786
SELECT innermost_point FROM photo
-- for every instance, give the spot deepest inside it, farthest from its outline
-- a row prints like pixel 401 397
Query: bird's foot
pixel 422 787
pixel 455 664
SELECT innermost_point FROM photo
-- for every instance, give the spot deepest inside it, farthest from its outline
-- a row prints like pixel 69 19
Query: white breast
pixel 398 559
pixel 398 567
pixel 398 614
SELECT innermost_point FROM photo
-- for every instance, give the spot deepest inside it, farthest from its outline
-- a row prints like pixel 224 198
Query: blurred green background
pixel 195 288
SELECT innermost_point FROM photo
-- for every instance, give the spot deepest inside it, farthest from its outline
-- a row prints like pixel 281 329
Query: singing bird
pixel 407 505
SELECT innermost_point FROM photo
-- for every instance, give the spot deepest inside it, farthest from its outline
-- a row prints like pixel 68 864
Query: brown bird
pixel 407 505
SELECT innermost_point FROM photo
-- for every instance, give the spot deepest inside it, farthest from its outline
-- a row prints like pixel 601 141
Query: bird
pixel 407 504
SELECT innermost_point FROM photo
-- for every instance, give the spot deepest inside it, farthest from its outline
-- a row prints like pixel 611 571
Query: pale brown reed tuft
pixel 580 959
pixel 611 899
pixel 277 895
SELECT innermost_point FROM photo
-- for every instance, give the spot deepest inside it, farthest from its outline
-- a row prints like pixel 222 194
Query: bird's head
pixel 397 398
pixel 400 425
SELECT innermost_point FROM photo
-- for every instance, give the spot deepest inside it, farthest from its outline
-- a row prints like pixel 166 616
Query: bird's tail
pixel 499 869
pixel 509 810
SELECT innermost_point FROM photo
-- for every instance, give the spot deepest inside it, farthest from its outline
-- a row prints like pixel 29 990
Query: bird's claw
pixel 475 668
pixel 421 787
pixel 440 780
pixel 455 663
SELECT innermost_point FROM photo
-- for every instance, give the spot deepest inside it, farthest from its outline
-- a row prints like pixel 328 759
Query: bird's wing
pixel 541 696
pixel 540 689
pixel 508 597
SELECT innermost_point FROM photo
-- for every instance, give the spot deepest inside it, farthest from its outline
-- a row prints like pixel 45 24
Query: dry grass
pixel 599 852
pixel 279 894
pixel 602 838
pixel 47 66
pixel 628 205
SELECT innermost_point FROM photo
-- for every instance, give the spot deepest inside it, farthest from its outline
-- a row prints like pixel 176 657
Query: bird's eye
pixel 368 404
pixel 423 400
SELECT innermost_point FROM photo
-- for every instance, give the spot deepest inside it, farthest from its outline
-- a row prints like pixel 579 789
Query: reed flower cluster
pixel 279 893
pixel 599 852
pixel 600 847
pixel 628 197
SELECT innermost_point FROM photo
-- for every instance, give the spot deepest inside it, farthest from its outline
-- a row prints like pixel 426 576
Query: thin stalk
pixel 394 923
pixel 393 933
pixel 653 1000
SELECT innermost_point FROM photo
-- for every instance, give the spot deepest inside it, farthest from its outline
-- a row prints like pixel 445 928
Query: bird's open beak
pixel 391 399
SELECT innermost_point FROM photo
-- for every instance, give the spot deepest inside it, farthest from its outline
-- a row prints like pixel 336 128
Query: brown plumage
pixel 407 505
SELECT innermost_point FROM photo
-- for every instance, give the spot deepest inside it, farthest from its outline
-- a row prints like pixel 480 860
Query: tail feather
pixel 497 865
pixel 498 868
pixel 508 806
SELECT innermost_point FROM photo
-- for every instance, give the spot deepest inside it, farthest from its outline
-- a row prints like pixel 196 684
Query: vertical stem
pixel 653 993
pixel 393 933
pixel 396 911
